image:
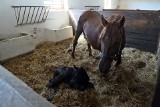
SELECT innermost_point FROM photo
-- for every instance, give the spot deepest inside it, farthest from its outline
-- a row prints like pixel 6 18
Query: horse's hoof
pixel 69 50
pixel 102 75
pixel 97 58
pixel 49 99
pixel 90 55
pixel 73 56
pixel 118 63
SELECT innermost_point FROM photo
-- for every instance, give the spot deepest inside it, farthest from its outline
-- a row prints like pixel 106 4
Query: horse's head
pixel 110 39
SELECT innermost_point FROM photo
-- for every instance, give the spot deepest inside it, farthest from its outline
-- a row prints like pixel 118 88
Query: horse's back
pixel 91 24
pixel 89 15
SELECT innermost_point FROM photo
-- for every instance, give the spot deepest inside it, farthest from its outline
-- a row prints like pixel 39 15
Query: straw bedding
pixel 129 85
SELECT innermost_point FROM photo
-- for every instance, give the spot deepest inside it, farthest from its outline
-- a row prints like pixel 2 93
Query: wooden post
pixel 156 98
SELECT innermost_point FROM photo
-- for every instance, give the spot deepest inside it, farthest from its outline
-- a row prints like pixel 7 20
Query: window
pixel 55 4
pixel 111 4
pixel 107 4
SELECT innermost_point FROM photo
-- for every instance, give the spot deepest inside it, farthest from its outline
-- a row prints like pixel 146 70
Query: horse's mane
pixel 109 29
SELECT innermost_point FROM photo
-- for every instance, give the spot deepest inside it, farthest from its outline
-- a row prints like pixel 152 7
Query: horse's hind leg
pixel 89 46
pixel 78 33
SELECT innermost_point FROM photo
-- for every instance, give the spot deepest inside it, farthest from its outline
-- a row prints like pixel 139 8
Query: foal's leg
pixel 78 33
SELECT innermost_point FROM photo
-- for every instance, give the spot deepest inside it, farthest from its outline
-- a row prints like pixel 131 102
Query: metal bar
pixel 23 15
pixel 40 14
pixel 44 14
pixel 32 14
pixel 36 15
pixel 16 15
pixel 92 6
pixel 28 14
pixel 19 13
pixel 28 6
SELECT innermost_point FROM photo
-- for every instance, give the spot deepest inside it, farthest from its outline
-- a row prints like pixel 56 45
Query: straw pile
pixel 129 85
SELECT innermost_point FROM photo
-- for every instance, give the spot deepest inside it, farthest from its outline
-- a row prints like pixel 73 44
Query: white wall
pixel 79 4
pixel 7 15
pixel 140 4
pixel 115 4
pixel 56 19
pixel 124 4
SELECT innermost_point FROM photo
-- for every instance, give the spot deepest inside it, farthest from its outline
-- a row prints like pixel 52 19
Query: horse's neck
pixel 99 43
pixel 99 37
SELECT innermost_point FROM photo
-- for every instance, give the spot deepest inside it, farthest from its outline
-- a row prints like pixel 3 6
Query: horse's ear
pixel 81 68
pixel 104 21
pixel 121 21
pixel 75 67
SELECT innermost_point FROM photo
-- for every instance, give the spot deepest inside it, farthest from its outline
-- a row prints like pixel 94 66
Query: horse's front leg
pixel 122 47
pixel 118 56
pixel 89 49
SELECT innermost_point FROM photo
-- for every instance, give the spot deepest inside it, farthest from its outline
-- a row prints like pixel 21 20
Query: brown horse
pixel 106 36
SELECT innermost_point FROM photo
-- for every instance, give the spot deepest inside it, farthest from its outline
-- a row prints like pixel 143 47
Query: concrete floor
pixel 15 93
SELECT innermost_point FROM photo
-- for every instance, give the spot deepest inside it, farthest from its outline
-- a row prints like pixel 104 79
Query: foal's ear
pixel 81 68
pixel 75 67
pixel 121 21
pixel 104 21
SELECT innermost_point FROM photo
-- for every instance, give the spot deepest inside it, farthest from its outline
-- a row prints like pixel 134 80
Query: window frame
pixel 107 4
pixel 52 3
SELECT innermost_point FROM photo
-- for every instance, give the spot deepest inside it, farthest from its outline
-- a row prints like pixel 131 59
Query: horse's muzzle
pixel 104 66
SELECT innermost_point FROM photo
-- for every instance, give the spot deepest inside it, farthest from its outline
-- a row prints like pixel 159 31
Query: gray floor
pixel 15 93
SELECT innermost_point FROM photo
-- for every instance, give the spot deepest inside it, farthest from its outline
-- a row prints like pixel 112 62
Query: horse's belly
pixel 92 32
pixel 93 41
pixel 96 47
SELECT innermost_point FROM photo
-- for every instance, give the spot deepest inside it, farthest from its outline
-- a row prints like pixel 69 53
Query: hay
pixel 130 84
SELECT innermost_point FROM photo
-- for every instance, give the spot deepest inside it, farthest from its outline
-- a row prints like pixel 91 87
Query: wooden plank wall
pixel 142 27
